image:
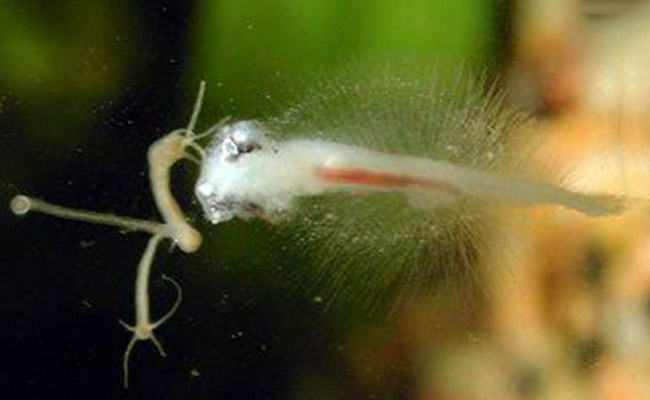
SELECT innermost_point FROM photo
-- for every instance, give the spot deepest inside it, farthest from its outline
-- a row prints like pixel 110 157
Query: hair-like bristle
pixel 379 248
pixel 426 112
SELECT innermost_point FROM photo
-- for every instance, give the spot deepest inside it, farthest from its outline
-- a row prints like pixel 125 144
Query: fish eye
pixel 246 142
pixel 241 138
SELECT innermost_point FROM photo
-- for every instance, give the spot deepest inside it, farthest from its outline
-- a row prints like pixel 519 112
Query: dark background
pixel 85 87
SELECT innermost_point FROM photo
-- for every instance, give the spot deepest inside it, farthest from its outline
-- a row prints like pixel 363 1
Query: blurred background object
pixel 580 323
pixel 85 87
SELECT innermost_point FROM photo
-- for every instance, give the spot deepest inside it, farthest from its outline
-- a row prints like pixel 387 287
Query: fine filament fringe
pixel 370 138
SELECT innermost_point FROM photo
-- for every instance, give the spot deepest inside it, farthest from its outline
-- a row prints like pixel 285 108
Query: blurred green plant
pixel 57 57
pixel 245 47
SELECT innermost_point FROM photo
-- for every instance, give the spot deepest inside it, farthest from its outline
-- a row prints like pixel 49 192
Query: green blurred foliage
pixel 58 56
pixel 245 44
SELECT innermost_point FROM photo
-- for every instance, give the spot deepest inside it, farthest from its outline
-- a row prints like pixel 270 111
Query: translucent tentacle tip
pixel 20 205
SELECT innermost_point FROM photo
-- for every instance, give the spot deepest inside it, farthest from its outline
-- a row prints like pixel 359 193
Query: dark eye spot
pixel 248 147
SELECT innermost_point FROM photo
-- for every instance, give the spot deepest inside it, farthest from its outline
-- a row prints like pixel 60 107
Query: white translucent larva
pixel 386 179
